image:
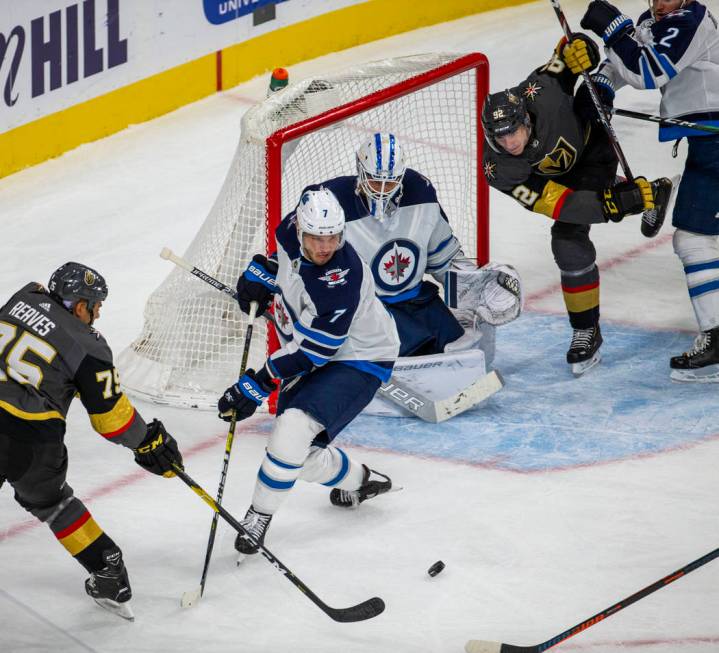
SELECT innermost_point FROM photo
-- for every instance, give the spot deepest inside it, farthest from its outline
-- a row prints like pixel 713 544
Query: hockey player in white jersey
pixel 397 225
pixel 339 344
pixel 675 48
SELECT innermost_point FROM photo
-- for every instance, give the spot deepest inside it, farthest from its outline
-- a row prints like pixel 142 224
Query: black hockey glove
pixel 626 198
pixel 257 284
pixel 606 21
pixel 580 54
pixel 246 395
pixel 158 451
pixel 584 106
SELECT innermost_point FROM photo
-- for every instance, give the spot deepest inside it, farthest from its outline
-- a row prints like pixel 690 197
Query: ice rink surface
pixel 556 499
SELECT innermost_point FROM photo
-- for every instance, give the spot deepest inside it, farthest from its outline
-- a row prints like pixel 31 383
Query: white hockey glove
pixel 491 294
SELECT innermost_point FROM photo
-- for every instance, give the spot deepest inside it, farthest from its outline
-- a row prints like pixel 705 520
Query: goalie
pixel 397 225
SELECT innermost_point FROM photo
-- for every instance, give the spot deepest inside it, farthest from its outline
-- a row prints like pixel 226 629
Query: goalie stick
pixel 481 646
pixel 652 219
pixel 360 612
pixel 396 391
pixel 192 597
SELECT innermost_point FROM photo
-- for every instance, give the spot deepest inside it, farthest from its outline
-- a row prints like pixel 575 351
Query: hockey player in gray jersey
pixel 49 352
pixel 675 48
pixel 547 151
pixel 338 345
pixel 397 225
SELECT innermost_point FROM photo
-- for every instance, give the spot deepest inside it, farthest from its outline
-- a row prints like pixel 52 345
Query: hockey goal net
pixel 191 344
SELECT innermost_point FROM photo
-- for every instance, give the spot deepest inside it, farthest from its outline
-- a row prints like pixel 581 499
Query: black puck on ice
pixel 435 568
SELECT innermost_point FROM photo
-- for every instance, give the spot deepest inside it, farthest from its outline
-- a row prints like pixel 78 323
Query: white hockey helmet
pixel 319 213
pixel 380 169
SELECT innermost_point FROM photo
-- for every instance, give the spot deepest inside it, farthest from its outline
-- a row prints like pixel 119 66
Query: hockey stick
pixel 480 646
pixel 601 112
pixel 395 391
pixel 652 219
pixel 666 121
pixel 365 610
pixel 192 597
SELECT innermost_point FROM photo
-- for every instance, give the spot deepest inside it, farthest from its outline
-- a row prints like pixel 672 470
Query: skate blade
pixel 192 598
pixel 120 609
pixel 578 369
pixel 708 374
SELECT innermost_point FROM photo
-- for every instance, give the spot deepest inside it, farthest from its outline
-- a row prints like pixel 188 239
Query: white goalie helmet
pixel 380 169
pixel 319 213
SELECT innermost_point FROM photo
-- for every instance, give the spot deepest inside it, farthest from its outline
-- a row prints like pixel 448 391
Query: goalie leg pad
pixel 287 451
pixel 699 253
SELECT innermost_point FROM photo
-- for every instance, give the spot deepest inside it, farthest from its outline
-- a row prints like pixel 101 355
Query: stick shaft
pixel 666 121
pixel 228 450
pixel 603 117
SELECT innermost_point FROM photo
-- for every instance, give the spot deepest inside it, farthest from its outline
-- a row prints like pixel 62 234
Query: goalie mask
pixel 380 169
pixel 502 114
pixel 320 214
pixel 74 281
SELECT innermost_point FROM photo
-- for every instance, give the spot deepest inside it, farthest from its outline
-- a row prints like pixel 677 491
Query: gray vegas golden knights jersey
pixel 415 240
pixel 328 313
pixel 47 356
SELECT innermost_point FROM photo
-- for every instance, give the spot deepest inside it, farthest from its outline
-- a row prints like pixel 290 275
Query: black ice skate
pixel 583 352
pixel 368 490
pixel 110 586
pixel 652 220
pixel 701 363
pixel 256 525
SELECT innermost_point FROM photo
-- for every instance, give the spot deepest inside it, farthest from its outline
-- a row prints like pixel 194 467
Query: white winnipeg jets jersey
pixel 678 55
pixel 328 312
pixel 415 240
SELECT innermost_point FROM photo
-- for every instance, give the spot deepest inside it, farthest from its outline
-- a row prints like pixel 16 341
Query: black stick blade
pixel 360 612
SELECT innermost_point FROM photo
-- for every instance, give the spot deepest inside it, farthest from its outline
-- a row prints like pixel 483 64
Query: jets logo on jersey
pixel 559 160
pixel 395 265
pixel 335 277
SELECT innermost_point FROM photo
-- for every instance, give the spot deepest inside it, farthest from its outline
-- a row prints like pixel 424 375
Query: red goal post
pixel 191 343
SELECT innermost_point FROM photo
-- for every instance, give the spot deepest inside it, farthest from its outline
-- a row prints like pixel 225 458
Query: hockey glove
pixel 626 198
pixel 246 395
pixel 580 54
pixel 257 284
pixel 158 451
pixel 606 21
pixel 584 105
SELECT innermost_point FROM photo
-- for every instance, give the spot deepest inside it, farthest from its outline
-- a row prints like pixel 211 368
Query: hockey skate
pixel 255 525
pixel 583 351
pixel 110 586
pixel 701 363
pixel 367 490
pixel 663 190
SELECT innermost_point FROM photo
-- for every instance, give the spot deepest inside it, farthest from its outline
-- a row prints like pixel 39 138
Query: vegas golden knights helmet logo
pixel 89 278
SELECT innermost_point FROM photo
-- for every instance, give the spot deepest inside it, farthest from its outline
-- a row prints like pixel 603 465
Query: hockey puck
pixel 435 568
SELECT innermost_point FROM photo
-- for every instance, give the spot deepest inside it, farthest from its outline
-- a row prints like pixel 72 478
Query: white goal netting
pixel 191 344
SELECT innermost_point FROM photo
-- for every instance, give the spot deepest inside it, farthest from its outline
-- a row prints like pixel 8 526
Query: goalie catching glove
pixel 492 293
pixel 158 452
pixel 579 54
pixel 244 397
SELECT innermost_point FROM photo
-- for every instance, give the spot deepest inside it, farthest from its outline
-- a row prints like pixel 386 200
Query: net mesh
pixel 191 344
